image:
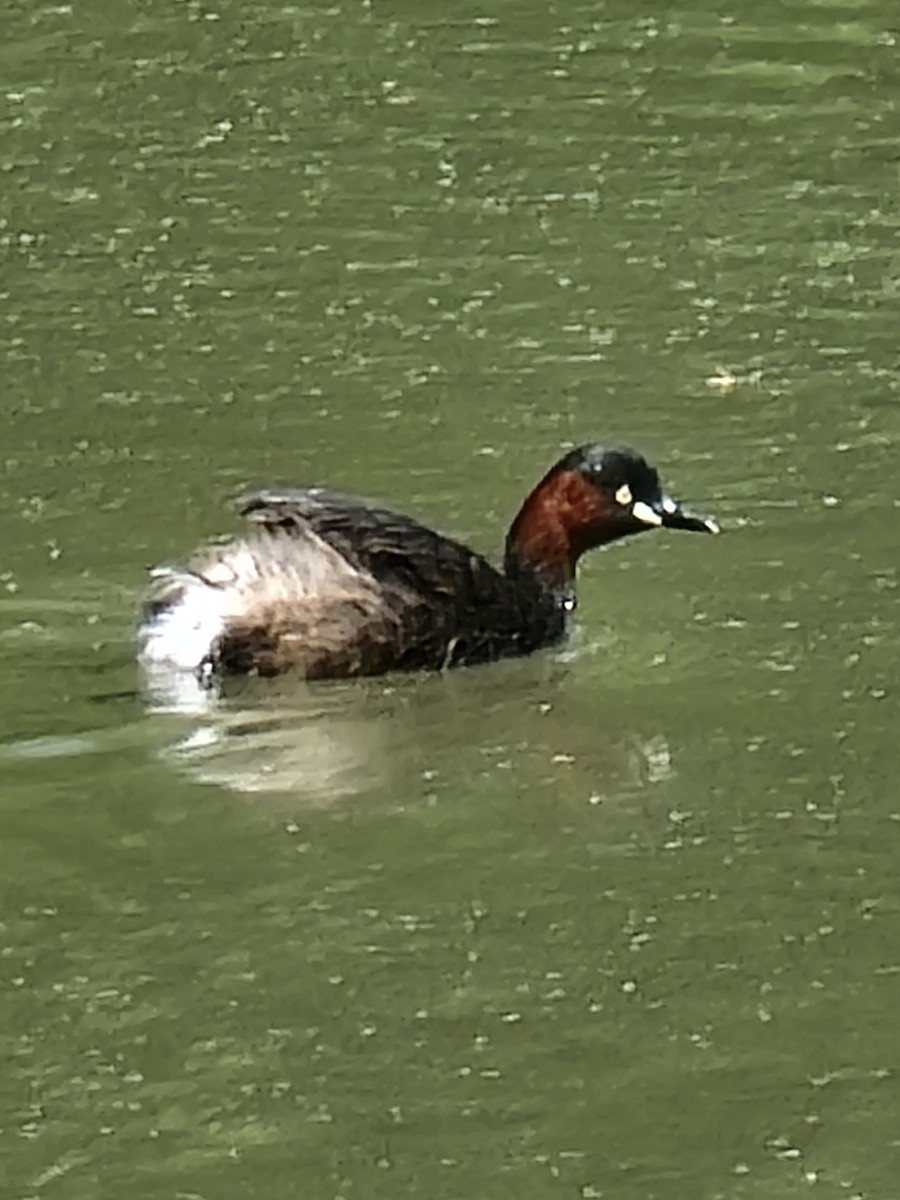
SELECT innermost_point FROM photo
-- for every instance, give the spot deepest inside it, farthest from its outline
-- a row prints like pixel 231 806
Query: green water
pixel 619 922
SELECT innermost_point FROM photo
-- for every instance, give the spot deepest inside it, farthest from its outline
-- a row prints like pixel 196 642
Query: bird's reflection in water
pixel 256 736
pixel 532 728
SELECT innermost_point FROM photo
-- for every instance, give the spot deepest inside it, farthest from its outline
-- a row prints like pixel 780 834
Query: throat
pixel 545 556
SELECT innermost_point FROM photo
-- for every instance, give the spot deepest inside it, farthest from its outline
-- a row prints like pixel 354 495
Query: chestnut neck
pixel 560 519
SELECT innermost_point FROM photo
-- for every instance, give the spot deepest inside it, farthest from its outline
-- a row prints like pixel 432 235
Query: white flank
pixel 183 635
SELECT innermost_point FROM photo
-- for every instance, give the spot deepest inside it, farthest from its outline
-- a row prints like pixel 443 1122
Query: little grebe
pixel 328 585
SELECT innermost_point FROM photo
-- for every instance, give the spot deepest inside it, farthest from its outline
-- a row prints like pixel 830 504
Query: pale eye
pixel 623 495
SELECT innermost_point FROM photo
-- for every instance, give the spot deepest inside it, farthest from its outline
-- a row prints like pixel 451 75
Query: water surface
pixel 619 920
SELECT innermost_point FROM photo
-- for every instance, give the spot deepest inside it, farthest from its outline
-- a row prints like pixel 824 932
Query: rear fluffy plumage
pixel 270 602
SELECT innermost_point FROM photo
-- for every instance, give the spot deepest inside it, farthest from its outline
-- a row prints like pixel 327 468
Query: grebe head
pixel 595 494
